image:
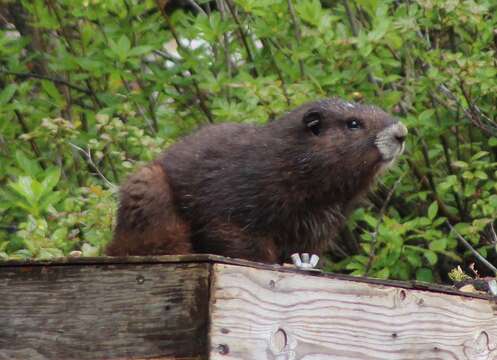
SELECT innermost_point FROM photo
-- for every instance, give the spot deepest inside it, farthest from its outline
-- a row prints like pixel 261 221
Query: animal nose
pixel 400 132
pixel 400 138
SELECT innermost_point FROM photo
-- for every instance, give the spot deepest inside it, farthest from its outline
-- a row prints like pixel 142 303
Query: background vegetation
pixel 90 89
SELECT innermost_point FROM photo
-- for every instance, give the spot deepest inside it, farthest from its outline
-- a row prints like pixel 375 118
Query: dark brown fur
pixel 254 192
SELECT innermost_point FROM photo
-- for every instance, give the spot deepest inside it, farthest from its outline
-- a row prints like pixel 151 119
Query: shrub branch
pixel 472 249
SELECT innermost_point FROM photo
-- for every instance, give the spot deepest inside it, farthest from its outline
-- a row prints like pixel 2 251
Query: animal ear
pixel 312 121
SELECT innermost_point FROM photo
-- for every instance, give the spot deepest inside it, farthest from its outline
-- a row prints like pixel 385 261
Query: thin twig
pixel 71 49
pixel 448 162
pixel 167 56
pixel 472 249
pixel 45 77
pixel 222 10
pixel 374 236
pixel 201 98
pixel 277 69
pixel 150 124
pixel 494 235
pixel 433 194
pixel 426 158
pixel 87 155
pixel 243 37
pixel 353 28
pixel 32 142
pixel 196 6
pixel 151 103
pixel 473 113
pixel 298 32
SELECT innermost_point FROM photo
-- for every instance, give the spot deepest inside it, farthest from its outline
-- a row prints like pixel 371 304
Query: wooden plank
pixel 213 259
pixel 261 314
pixel 104 311
pixel 83 260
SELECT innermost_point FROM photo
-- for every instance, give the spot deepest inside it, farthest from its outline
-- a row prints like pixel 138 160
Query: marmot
pixel 258 192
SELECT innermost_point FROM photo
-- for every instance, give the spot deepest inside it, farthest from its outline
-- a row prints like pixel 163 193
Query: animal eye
pixel 354 124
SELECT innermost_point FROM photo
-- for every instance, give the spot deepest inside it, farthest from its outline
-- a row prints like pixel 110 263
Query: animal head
pixel 343 144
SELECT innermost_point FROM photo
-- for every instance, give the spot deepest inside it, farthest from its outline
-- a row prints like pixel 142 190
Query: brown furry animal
pixel 258 192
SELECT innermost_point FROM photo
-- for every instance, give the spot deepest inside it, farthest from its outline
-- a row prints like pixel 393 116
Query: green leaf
pixel 460 164
pixel 29 166
pixel 479 155
pixel 370 220
pixel 379 31
pixel 431 257
pixel 51 179
pixel 24 187
pixel 309 11
pixel 90 64
pixel 49 199
pixel 426 116
pixel 382 274
pixel 481 175
pixel 354 266
pixel 50 253
pixel 402 271
pixel 52 91
pixel 140 50
pixel 452 255
pixel 438 245
pixel 424 274
pixel 7 93
pixel 89 250
pixel 123 47
pixel 59 235
pixel 433 210
pixel 414 259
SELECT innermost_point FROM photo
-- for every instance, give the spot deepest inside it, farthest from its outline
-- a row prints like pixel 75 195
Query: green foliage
pixel 89 90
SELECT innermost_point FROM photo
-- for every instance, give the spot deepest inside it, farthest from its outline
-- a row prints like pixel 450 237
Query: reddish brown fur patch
pixel 147 220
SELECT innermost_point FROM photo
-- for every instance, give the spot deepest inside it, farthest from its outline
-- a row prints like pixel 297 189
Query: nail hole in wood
pixel 140 279
pixel 225 331
pixel 223 349
pixel 402 294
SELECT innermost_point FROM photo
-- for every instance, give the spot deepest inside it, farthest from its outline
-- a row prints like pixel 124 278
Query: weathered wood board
pixel 106 311
pixel 262 314
pixel 210 307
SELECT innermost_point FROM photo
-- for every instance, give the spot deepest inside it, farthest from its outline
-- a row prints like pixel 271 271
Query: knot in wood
pixel 279 341
pixel 480 348
pixel 272 284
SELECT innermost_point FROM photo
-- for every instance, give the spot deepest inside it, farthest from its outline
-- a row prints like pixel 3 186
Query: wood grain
pixel 262 314
pixel 213 259
pixel 105 311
